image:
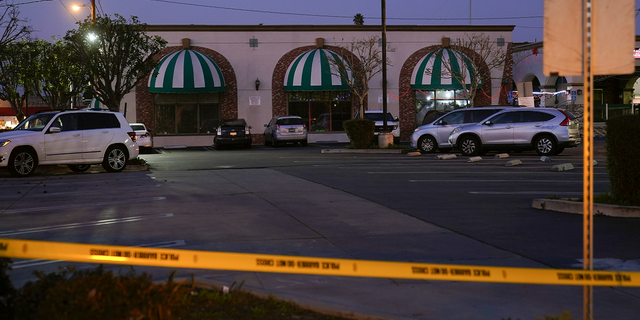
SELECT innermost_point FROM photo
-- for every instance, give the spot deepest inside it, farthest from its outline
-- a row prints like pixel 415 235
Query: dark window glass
pixel 289 121
pixel 528 116
pixel 475 116
pixel 547 116
pixel 507 117
pixel 233 122
pixel 66 122
pixel 453 118
pixel 90 121
pixel 321 111
pixel 186 113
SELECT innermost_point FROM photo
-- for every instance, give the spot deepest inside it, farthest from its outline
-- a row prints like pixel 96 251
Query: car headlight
pixel 246 131
pixel 4 142
pixel 219 131
pixel 456 130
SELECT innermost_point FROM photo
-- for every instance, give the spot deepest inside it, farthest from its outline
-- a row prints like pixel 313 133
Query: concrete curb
pixel 371 151
pixel 61 169
pixel 600 209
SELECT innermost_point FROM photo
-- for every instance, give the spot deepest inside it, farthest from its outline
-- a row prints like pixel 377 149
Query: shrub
pixel 623 156
pixel 96 294
pixel 7 290
pixel 360 132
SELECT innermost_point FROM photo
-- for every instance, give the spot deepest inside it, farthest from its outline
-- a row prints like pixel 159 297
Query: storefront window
pixel 186 113
pixel 431 104
pixel 322 111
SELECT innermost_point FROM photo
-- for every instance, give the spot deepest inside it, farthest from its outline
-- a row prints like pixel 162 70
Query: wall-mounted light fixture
pixel 579 92
pixel 257 84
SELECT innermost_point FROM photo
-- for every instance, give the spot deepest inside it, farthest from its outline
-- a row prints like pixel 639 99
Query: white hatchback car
pixel 75 138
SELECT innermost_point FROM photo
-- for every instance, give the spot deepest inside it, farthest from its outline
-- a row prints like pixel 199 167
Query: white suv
pixel 75 138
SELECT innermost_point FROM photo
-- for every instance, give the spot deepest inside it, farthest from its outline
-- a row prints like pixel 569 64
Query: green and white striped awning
pixel 311 71
pixel 186 71
pixel 432 73
pixel 95 104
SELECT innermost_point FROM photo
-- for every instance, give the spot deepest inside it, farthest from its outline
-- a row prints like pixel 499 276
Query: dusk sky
pixel 55 17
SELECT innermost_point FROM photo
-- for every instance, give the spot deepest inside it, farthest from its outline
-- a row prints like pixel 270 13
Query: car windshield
pixel 233 122
pixel 36 122
pixel 138 127
pixel 289 121
pixel 378 116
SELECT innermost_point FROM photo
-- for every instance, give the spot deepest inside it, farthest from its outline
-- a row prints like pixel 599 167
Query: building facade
pixel 208 73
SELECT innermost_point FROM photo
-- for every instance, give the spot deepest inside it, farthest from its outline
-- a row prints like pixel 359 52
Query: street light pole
pixel 93 11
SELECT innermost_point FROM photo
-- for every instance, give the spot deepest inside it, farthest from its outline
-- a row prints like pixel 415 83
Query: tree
pixel 479 53
pixel 358 19
pixel 359 61
pixel 60 77
pixel 17 73
pixel 115 53
pixel 11 26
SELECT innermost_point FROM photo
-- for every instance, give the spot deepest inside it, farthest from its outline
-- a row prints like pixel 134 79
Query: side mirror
pixel 250 127
pixel 396 119
pixel 444 123
pixel 265 125
pixel 488 123
pixel 54 130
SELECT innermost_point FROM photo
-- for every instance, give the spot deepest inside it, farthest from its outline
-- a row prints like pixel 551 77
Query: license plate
pixel 233 133
pixel 292 130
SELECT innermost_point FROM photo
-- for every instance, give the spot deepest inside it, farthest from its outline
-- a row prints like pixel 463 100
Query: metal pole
pixel 93 11
pixel 469 12
pixel 588 155
pixel 384 67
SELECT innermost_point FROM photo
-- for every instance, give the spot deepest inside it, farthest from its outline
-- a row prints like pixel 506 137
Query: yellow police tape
pixel 94 253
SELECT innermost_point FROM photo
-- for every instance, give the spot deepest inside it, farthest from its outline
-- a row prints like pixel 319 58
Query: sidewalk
pixel 303 218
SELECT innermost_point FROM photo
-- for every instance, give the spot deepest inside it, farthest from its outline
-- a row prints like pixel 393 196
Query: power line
pixel 334 16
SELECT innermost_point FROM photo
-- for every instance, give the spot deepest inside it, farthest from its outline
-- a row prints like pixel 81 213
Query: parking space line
pixel 80 205
pixel 83 224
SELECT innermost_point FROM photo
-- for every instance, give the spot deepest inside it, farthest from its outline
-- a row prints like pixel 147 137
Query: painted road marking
pixel 80 205
pixel 83 224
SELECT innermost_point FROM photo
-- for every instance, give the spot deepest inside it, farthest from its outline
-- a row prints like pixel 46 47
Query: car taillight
pixel 132 135
pixel 144 135
pixel 566 120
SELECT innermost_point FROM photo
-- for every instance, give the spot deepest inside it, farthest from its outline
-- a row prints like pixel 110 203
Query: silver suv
pixel 435 135
pixel 74 138
pixel 283 129
pixel 545 130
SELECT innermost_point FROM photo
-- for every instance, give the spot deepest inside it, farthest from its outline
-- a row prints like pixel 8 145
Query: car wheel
pixel 115 159
pixel 22 163
pixel 304 143
pixel 79 167
pixel 545 146
pixel 427 144
pixel 469 146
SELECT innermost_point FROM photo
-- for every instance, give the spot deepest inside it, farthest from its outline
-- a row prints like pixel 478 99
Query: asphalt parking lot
pixel 298 201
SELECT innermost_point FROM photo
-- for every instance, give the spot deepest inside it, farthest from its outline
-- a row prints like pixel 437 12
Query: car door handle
pixel 76 134
pixel 538 125
pixel 508 127
pixel 106 131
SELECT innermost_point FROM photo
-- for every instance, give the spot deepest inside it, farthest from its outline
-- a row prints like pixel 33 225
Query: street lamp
pixel 92 7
